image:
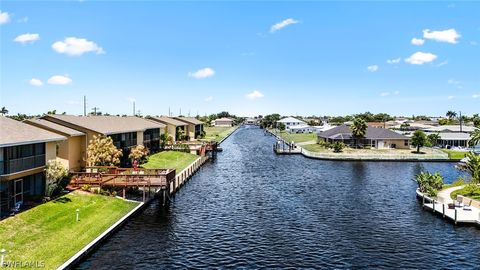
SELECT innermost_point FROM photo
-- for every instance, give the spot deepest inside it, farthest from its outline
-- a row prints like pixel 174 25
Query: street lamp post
pixel 2 257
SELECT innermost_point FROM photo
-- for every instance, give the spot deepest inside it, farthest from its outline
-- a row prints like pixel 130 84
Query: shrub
pixel 338 147
pixel 86 187
pixel 429 183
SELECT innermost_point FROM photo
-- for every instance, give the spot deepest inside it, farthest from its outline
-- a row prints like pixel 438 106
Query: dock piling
pixel 443 210
pixel 455 216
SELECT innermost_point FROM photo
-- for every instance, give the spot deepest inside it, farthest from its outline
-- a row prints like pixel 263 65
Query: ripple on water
pixel 253 209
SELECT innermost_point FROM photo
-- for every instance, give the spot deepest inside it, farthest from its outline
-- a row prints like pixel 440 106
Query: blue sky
pixel 308 58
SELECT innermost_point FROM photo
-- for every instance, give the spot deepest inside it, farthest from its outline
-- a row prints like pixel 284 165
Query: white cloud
pixel 417 41
pixel 449 36
pixel 36 82
pixel 282 24
pixel 59 80
pixel 385 94
pixel 394 61
pixel 451 97
pixel 396 93
pixel 475 95
pixel 210 98
pixel 453 81
pixel 420 58
pixel 27 38
pixel 202 73
pixel 442 63
pixel 254 95
pixel 372 68
pixel 23 20
pixel 4 17
pixel 76 46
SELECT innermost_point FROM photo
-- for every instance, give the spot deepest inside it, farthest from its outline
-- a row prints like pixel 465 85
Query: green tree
pixel 3 111
pixel 359 129
pixel 180 134
pixel 418 139
pixel 404 126
pixel 429 183
pixel 281 126
pixel 102 152
pixel 451 115
pixel 474 137
pixel 163 140
pixel 434 138
pixel 472 166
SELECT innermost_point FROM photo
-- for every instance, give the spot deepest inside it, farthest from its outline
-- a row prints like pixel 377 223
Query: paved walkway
pixel 444 195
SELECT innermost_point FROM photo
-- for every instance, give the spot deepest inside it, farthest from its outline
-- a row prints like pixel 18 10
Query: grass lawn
pixel 315 148
pixel 49 232
pixel 452 154
pixel 470 191
pixel 217 133
pixel 297 137
pixel 170 160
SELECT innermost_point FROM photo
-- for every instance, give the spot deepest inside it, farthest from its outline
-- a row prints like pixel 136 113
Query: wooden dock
pixel 452 211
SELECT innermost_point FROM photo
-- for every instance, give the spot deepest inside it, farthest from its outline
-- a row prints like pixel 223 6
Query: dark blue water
pixel 253 209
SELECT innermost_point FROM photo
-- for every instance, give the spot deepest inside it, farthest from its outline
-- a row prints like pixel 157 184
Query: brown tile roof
pixel 14 132
pixel 106 124
pixel 190 120
pixel 54 127
pixel 167 120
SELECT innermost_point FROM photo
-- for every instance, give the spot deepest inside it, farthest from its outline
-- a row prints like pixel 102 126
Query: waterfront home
pixel 70 152
pixel 223 122
pixel 291 122
pixel 126 132
pixel 24 152
pixel 379 138
pixel 450 128
pixel 301 129
pixel 194 127
pixel 173 125
pixel 453 139
pixel 251 121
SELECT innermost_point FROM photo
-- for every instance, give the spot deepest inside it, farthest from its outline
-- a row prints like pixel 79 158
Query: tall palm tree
pixel 475 137
pixel 359 129
pixel 451 114
pixel 3 111
pixel 434 138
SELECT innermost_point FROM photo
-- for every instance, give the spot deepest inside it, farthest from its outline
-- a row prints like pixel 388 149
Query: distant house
pixel 301 129
pixel 291 122
pixel 126 132
pixel 453 139
pixel 223 122
pixel 194 126
pixel 24 152
pixel 251 121
pixel 173 125
pixel 379 138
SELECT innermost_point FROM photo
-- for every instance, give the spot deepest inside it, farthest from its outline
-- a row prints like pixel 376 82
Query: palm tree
pixel 451 114
pixel 3 111
pixel 472 166
pixel 434 138
pixel 359 129
pixel 474 137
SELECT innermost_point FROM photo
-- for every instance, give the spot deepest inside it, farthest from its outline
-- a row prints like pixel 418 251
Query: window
pixel 406 142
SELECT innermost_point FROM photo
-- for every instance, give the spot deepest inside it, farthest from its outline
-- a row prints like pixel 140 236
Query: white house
pixel 301 129
pixel 223 122
pixel 291 122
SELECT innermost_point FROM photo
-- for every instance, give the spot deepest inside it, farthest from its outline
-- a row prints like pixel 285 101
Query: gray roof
pixel 343 131
pixel 106 125
pixel 167 120
pixel 14 132
pixel 54 127
pixel 190 120
pixel 454 136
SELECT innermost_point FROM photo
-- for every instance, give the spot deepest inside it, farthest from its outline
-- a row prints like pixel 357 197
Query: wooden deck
pixel 122 177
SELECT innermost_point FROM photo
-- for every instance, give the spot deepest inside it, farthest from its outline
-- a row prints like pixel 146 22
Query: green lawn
pixel 170 160
pixel 470 191
pixel 49 233
pixel 452 154
pixel 297 137
pixel 315 148
pixel 217 133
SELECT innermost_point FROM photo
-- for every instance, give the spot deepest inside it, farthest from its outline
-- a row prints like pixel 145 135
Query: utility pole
pixel 180 112
pixel 134 108
pixel 169 113
pixel 84 105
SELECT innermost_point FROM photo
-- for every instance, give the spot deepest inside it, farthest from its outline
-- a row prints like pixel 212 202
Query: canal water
pixel 253 209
